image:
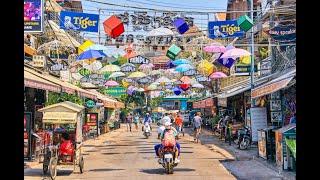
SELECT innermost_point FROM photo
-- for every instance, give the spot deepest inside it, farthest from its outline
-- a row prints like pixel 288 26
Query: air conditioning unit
pixel 38 61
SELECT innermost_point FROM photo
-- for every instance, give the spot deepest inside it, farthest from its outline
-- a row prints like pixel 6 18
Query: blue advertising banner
pixel 33 15
pixel 224 29
pixel 283 33
pixel 79 21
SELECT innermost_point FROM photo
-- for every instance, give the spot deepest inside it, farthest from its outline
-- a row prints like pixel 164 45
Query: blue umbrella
pixel 170 64
pixel 90 54
pixel 184 67
pixel 181 61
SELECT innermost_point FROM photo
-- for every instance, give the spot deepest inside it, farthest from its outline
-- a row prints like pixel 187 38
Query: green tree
pixel 54 98
pixel 155 102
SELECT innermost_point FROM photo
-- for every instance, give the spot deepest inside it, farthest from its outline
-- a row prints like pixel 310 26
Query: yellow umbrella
pixel 125 83
pixel 110 68
pixel 84 46
pixel 206 68
pixel 245 60
pixel 137 75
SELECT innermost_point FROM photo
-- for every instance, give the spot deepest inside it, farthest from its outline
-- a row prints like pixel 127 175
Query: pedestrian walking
pixel 136 121
pixel 197 121
pixel 129 121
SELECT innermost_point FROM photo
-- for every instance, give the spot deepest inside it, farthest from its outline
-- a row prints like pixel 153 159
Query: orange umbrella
pixel 185 79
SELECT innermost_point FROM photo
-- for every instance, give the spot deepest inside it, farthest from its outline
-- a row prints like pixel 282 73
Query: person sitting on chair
pixel 66 146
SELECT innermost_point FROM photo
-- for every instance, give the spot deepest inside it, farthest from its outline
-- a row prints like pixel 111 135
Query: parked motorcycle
pixel 168 161
pixel 147 130
pixel 244 138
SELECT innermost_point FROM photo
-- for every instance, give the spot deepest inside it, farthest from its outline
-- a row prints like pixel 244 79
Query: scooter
pixel 244 139
pixel 147 130
pixel 169 159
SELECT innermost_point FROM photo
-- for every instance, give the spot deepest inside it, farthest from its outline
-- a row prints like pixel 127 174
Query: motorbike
pixel 169 159
pixel 244 139
pixel 147 130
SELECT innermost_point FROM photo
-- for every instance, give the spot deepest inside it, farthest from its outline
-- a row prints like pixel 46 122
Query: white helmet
pixel 167 125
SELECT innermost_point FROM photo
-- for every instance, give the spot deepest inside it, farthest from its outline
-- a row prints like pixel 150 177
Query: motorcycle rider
pixel 147 119
pixel 158 147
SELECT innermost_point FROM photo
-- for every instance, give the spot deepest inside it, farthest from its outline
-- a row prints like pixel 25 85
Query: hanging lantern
pixel 177 91
pixel 113 26
pixel 184 87
pixel 173 51
pixel 181 25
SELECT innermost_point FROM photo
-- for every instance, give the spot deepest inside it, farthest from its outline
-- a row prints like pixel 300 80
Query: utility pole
pixel 99 29
pixel 252 53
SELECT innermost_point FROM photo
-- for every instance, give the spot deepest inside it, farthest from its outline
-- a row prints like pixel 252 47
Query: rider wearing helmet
pixel 158 147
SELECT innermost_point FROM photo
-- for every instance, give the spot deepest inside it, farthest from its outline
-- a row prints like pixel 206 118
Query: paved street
pixel 125 155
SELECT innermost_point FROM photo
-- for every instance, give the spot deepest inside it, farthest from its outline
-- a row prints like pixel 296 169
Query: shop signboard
pixel 33 16
pixel 209 102
pixel 116 91
pixel 59 117
pixel 258 121
pixel 139 60
pixel 145 80
pixel 244 70
pixel 279 152
pixel 90 104
pixel 92 121
pixel 38 61
pixel 79 21
pixel 224 29
pixel 195 105
pixel 283 33
pixel 202 104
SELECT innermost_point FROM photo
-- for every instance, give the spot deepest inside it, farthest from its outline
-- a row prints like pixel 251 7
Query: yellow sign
pixel 59 117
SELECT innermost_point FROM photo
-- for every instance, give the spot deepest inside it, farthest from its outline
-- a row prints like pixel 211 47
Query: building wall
pixel 236 5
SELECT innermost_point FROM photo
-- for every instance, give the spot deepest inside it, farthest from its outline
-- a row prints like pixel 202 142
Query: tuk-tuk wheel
pixel 81 164
pixel 45 169
pixel 53 168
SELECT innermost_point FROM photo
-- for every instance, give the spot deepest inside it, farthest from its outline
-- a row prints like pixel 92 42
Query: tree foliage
pixel 54 98
pixel 155 102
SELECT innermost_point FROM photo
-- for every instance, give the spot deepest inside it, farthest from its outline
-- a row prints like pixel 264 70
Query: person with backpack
pixel 168 138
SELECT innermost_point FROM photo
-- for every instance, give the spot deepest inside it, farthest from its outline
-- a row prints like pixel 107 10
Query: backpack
pixel 169 139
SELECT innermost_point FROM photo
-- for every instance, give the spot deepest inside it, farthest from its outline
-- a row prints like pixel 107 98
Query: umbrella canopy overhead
pixel 181 61
pixel 163 79
pixel 218 75
pixel 161 32
pixel 94 66
pixel 98 47
pixel 184 67
pixel 140 89
pixel 111 83
pixel 205 68
pixel 235 53
pixel 91 54
pixel 200 86
pixel 215 48
pixel 110 68
pixel 137 75
pixel 146 66
pixel 170 64
pixel 117 74
pixel 186 79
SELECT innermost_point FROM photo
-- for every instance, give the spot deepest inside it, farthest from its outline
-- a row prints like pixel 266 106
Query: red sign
pixel 195 105
pixel 202 104
pixel 209 102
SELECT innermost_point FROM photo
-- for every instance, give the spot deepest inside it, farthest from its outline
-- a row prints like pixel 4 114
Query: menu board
pixel 92 121
pixel 258 121
pixel 262 144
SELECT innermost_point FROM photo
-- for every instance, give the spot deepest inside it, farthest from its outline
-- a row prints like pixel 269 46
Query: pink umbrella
pixel 146 66
pixel 235 53
pixel 218 75
pixel 111 83
pixel 215 48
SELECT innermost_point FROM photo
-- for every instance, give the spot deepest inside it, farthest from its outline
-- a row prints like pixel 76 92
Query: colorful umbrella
pixel 170 64
pixel 200 86
pixel 160 32
pixel 153 86
pixel 146 66
pixel 91 54
pixel 218 75
pixel 94 66
pixel 98 47
pixel 177 91
pixel 111 83
pixel 137 75
pixel 163 79
pixel 186 79
pixel 184 87
pixel 140 89
pixel 235 53
pixel 215 48
pixel 117 74
pixel 110 68
pixel 184 67
pixel 181 61
pixel 206 68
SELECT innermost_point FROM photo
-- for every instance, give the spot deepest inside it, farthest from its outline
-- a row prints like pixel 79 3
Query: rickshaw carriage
pixel 63 119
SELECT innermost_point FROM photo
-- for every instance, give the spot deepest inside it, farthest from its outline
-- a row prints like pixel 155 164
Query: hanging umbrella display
pixel 184 87
pixel 111 83
pixel 146 66
pixel 181 61
pixel 200 86
pixel 160 32
pixel 184 67
pixel 137 75
pixel 140 89
pixel 91 54
pixel 76 76
pixel 152 86
pixel 218 75
pixel 109 68
pixel 125 83
pixel 155 72
pixel 177 91
pixel 206 68
pixel 163 79
pixel 235 53
pixel 215 48
pixel 170 64
pixel 185 79
pixel 128 67
pixel 131 90
pixel 98 47
pixel 94 66
pixel 117 74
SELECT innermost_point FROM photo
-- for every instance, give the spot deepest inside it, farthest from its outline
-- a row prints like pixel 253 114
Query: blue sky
pixel 166 5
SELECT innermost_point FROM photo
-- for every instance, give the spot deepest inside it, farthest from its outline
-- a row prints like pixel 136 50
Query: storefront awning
pixel 34 81
pixel 274 85
pixel 234 91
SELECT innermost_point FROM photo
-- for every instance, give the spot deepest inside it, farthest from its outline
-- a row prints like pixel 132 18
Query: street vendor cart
pixel 61 119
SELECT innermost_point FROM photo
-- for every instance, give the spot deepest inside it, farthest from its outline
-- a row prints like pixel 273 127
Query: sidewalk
pixel 243 163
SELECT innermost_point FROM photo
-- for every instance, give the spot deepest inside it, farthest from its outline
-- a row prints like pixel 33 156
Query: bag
pixel 169 139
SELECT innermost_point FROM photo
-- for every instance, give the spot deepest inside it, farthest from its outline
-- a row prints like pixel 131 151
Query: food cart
pixel 64 117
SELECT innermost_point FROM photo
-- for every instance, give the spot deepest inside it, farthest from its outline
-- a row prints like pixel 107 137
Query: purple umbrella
pixel 235 53
pixel 131 90
pixel 111 83
pixel 215 48
pixel 170 64
pixel 218 75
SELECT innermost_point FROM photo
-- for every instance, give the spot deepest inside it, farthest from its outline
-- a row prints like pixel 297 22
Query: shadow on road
pixel 161 170
pixel 110 153
pixel 106 169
